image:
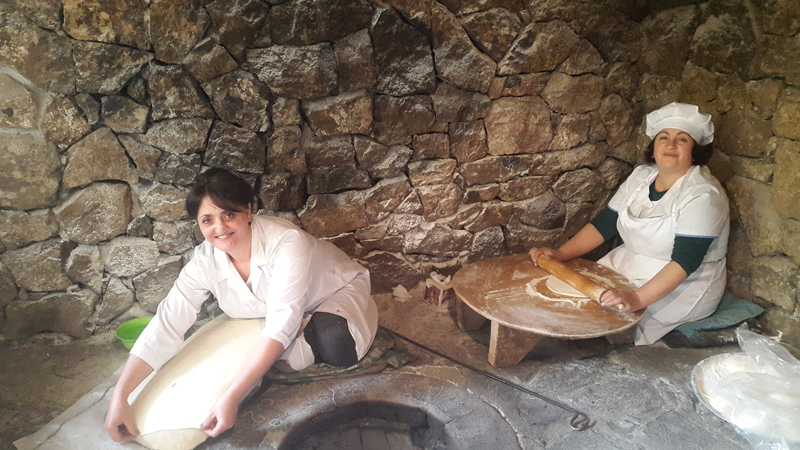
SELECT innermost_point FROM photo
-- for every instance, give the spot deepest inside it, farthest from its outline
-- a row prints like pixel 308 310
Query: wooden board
pixel 496 289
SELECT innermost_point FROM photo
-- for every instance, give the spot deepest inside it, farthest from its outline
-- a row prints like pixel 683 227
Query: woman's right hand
pixel 537 252
pixel 119 421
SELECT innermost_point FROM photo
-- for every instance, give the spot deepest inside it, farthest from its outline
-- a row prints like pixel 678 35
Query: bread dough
pixel 563 289
pixel 170 408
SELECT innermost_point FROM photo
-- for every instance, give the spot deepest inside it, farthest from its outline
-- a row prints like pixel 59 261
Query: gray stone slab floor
pixel 635 397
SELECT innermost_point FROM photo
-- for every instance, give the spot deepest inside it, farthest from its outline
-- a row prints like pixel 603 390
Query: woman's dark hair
pixel 701 154
pixel 226 191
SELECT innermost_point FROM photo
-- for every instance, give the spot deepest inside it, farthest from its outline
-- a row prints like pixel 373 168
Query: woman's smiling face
pixel 672 149
pixel 226 230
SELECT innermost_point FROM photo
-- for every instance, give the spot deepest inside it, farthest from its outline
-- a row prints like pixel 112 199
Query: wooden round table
pixel 497 290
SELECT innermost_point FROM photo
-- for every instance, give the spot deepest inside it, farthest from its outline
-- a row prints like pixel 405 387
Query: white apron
pixel 648 241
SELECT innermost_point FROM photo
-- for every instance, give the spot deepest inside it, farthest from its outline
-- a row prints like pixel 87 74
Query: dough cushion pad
pixel 170 408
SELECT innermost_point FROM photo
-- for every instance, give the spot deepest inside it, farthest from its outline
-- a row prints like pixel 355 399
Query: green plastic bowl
pixel 129 331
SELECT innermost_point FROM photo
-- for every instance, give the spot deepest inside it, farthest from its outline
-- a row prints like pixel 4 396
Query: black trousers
pixel 330 340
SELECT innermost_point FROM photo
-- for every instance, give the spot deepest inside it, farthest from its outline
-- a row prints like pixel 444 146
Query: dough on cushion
pixel 173 404
pixel 172 439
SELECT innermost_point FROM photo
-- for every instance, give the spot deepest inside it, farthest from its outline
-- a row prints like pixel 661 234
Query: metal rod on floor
pixel 579 422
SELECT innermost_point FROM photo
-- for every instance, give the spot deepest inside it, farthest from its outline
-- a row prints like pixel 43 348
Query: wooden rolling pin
pixel 581 283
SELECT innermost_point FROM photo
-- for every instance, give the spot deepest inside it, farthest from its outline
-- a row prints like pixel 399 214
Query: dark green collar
pixel 654 194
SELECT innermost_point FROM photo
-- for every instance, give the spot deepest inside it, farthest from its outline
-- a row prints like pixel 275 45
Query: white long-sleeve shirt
pixel 291 274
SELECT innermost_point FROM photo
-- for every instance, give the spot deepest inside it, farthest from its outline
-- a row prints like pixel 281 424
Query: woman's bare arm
pixel 119 422
pixel 661 285
pixel 223 415
pixel 585 241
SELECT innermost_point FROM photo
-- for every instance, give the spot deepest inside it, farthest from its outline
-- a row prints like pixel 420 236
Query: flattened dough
pixel 172 406
pixel 563 289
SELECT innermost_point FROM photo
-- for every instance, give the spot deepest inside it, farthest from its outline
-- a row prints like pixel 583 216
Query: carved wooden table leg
pixel 467 318
pixel 623 337
pixel 507 346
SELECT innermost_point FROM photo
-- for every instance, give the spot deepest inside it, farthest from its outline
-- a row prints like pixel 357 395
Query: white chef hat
pixel 682 117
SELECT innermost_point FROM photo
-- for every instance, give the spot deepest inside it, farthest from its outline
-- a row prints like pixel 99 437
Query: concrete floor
pixel 636 397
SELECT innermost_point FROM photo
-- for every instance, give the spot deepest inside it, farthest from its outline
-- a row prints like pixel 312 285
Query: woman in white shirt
pixel 672 216
pixel 255 266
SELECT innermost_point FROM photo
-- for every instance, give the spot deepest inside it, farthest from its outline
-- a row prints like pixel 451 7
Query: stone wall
pixel 416 135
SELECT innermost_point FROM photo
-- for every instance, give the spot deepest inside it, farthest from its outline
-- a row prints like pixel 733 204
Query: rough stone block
pixel 152 286
pixel 582 185
pixel 97 213
pixel 388 270
pixel 298 72
pixel 128 256
pixel 573 95
pixel 774 278
pixel 63 312
pixel 723 43
pixel 124 115
pixel 457 60
pixel 540 47
pixel 85 266
pixel 522 84
pixel 787 114
pixel 29 172
pixel 496 169
pixel 439 200
pixel 518 125
pixel 379 160
pixel 437 241
pixel 175 28
pixel 332 165
pixel 116 300
pixel 452 104
pixel 179 135
pixel 347 113
pixel 8 288
pixel 18 228
pixel 309 22
pixel 236 149
pixel 398 118
pixel 752 200
pixel 96 157
pixel 209 60
pixel 432 171
pixel 174 93
pixel 741 132
pixel 106 68
pixel 384 197
pixel 242 99
pixel 52 69
pixel 238 23
pixel 180 170
pixel 403 56
pixel 520 238
pixel 329 215
pixel 174 238
pixel 164 202
pixel 482 193
pixel 18 107
pixel 430 146
pixel 39 267
pixel 355 60
pixel 489 243
pixel 282 191
pixel 468 141
pixel 493 31
pixel 121 22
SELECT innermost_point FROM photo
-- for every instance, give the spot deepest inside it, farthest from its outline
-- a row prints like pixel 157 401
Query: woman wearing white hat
pixel 672 216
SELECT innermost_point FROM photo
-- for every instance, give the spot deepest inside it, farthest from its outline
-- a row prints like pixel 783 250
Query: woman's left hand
pixel 623 300
pixel 221 417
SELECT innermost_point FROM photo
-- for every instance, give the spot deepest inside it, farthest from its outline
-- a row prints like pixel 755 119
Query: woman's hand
pixel 119 422
pixel 623 300
pixel 537 252
pixel 221 417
